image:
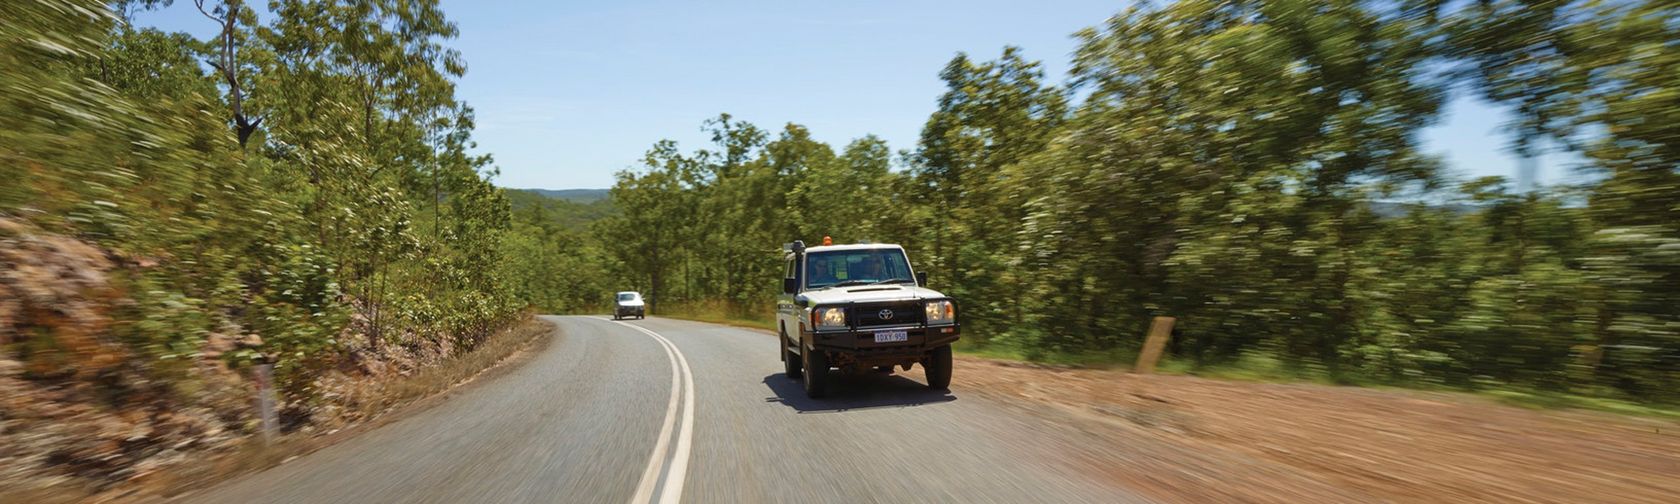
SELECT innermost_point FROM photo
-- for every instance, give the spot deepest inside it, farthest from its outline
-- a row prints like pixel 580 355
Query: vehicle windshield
pixel 856 267
pixel 626 296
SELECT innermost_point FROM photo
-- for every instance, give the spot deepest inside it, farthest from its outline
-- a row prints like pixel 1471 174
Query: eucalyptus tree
pixel 658 206
pixel 991 116
pixel 364 93
pixel 228 16
pixel 1221 155
pixel 1598 79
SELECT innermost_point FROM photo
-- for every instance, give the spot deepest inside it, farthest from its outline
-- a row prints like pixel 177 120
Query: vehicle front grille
pixel 903 313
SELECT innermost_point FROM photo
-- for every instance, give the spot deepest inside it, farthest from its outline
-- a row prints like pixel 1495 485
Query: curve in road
pixel 671 491
pixel 667 411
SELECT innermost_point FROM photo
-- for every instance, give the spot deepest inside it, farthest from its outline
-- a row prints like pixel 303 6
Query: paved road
pixel 665 411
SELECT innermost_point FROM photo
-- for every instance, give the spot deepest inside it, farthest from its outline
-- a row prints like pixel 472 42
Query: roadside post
pixel 265 401
pixel 1160 330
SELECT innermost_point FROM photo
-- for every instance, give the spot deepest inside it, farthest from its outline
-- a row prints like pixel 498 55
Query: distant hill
pixel 570 208
pixel 577 195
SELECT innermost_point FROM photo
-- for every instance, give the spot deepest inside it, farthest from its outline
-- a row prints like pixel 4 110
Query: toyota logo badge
pixel 886 314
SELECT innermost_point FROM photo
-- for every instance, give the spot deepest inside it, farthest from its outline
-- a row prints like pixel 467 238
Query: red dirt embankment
pixel 1187 439
pixel 88 413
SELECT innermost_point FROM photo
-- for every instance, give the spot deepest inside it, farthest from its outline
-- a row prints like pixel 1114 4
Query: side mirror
pixel 790 285
pixel 921 278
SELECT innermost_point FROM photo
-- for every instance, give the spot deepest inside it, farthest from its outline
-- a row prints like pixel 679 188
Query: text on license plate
pixel 891 336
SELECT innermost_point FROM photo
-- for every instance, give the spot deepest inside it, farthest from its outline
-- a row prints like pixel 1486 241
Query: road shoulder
pixel 500 355
pixel 1168 436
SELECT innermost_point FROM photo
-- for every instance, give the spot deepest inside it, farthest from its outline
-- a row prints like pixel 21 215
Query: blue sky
pixel 567 93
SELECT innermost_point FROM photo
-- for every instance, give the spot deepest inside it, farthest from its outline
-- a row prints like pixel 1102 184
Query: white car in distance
pixel 628 304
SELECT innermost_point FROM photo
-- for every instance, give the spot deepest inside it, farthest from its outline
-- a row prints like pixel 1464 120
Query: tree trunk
pixel 228 65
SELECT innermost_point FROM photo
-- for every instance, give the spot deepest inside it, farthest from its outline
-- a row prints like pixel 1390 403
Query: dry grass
pixel 720 313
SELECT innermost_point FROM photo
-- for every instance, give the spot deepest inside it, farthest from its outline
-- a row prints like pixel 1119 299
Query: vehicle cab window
pixel 856 267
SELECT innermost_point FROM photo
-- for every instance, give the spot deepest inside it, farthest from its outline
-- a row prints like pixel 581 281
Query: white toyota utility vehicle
pixel 861 307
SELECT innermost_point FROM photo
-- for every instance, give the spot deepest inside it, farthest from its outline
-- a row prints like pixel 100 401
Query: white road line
pixel 671 492
pixel 656 462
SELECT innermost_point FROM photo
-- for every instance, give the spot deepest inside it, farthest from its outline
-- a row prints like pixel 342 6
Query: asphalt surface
pixel 607 414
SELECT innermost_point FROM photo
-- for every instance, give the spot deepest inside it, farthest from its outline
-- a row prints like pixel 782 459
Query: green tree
pixel 1597 78
pixel 645 239
pixel 991 117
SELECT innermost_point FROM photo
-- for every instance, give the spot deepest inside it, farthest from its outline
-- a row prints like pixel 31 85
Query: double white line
pixel 671 491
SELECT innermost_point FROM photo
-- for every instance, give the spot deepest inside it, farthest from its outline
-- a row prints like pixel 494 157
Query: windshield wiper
pixel 891 280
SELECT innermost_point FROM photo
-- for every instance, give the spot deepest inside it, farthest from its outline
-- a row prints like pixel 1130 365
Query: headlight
pixel 941 312
pixel 829 318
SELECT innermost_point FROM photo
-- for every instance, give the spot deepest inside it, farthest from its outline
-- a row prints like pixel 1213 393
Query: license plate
pixel 891 336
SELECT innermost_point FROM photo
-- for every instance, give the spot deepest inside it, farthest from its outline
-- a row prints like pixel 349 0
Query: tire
pixel 816 373
pixel 791 364
pixel 615 316
pixel 938 368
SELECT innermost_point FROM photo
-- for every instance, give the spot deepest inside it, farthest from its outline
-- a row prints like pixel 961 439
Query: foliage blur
pixel 1250 167
pixel 301 183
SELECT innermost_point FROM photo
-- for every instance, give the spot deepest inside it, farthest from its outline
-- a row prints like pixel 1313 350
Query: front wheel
pixel 791 363
pixel 816 372
pixel 938 368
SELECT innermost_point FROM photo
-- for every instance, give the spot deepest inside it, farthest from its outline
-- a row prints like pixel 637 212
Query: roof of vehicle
pixel 852 246
pixel 628 292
